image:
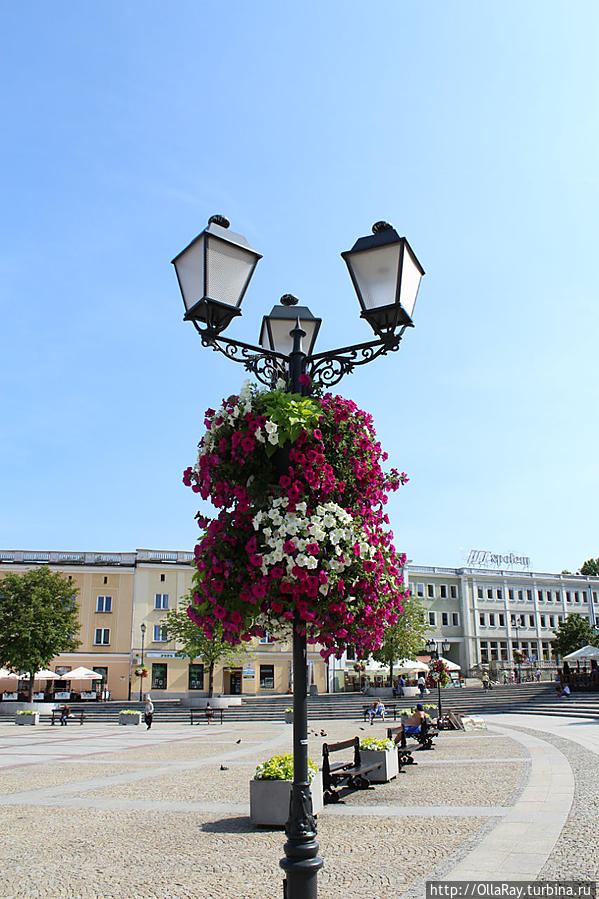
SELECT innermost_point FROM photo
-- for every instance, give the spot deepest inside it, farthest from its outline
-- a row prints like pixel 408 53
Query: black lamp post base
pixel 301 866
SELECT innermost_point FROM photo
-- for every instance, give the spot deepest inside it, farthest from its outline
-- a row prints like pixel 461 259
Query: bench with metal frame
pixel 392 707
pixel 72 716
pixel 204 715
pixel 351 774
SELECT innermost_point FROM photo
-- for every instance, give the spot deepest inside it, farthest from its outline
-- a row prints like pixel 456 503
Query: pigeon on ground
pixel 323 733
pixel 238 741
pixel 223 768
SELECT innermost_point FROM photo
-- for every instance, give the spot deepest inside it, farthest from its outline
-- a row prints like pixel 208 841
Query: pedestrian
pixel 400 686
pixel 421 685
pixel 538 674
pixel 148 711
pixel 209 712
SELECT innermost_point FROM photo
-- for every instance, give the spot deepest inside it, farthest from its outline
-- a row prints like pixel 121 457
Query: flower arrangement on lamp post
pixel 300 538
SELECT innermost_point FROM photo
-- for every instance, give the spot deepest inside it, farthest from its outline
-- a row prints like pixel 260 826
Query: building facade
pixel 120 592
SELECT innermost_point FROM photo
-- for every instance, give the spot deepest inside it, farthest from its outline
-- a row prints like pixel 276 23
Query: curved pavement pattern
pixel 156 805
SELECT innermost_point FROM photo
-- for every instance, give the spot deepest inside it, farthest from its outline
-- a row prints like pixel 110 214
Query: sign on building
pixel 482 558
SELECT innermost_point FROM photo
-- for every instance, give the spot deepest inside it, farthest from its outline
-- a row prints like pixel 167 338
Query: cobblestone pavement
pixel 103 812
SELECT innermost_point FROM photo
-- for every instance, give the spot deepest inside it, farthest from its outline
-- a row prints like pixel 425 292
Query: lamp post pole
pixel 141 679
pixel 214 271
pixel 433 650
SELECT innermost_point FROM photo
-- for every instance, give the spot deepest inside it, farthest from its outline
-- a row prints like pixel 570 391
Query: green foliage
pixel 518 656
pixel 292 413
pixel 38 619
pixel 405 638
pixel 590 567
pixel 574 632
pixel 280 767
pixel 375 743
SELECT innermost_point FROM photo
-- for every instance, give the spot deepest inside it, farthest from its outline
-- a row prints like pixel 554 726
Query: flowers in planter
pixel 376 743
pixel 300 536
pixel 27 712
pixel 141 671
pixel 129 712
pixel 280 767
pixel 289 711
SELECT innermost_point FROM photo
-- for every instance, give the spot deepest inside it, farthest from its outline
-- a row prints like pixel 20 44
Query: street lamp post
pixel 214 272
pixel 518 618
pixel 141 679
pixel 432 647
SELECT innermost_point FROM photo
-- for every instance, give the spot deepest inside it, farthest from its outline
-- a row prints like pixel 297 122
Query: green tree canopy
pixel 573 632
pixel 591 566
pixel 195 645
pixel 405 638
pixel 38 620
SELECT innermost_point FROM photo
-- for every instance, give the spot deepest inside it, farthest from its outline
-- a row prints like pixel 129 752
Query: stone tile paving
pixel 94 851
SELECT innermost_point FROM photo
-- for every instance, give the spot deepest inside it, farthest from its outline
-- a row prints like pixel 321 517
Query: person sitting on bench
pixel 64 714
pixel 377 708
pixel 413 724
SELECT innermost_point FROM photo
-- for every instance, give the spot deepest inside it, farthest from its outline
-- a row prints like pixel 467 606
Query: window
pixel 494 651
pixel 489 593
pixel 430 591
pixel 576 596
pixel 549 596
pixel 510 594
pixel 568 596
pixel 432 618
pixel 159 633
pixel 159 676
pixel 350 653
pixel 479 591
pixel 102 636
pixel 584 597
pixel 453 591
pixel 195 679
pixel 552 621
pixel 267 677
pixel 443 591
pixel 420 590
pixel 455 619
pixel 163 578
pixel 501 619
pixel 484 652
pixel 104 604
pixel 481 618
pixel 503 650
pixel 499 593
pixel 161 601
pixel 540 595
pixel 543 621
pixel 531 620
pixel 444 619
pixel 520 595
pixel 266 638
pixel 492 619
pixel 105 580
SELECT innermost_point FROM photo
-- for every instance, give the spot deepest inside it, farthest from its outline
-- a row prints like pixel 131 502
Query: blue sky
pixel 471 126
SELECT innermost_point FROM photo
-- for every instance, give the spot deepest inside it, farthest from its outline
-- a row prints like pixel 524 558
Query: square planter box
pixel 388 769
pixel 28 720
pixel 130 719
pixel 269 800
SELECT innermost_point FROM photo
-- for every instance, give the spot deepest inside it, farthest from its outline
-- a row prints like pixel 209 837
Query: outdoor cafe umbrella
pixel 81 673
pixel 585 652
pixel 410 665
pixel 451 666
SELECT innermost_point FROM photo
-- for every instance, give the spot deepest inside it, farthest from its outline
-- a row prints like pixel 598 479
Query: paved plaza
pixel 105 811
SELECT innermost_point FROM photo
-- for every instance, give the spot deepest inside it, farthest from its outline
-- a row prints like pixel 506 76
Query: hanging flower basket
pixel 301 532
pixel 141 671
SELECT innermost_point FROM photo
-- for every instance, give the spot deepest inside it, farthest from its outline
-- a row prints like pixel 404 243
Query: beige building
pixel 121 592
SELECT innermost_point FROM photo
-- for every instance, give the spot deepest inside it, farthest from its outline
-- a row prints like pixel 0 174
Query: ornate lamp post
pixel 214 272
pixel 141 680
pixel 432 647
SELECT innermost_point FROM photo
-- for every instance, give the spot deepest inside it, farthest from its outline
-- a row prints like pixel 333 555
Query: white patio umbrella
pixel 5 674
pixel 81 673
pixel 46 674
pixel 410 665
pixel 586 652
pixel 451 665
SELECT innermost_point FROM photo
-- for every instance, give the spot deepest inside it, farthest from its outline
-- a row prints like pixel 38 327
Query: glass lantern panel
pixel 190 272
pixel 410 282
pixel 376 273
pixel 282 341
pixel 229 269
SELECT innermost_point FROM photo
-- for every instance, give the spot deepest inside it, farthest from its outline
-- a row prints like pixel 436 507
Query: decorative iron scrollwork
pixel 266 365
pixel 327 369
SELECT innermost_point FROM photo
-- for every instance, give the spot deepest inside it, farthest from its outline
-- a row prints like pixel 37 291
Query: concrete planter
pixel 130 719
pixel 389 768
pixel 28 720
pixel 269 800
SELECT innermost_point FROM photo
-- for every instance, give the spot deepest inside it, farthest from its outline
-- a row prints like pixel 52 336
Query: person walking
pixel 421 685
pixel 148 711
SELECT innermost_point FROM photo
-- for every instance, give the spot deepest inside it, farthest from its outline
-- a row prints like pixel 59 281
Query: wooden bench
pixel 205 715
pixel 72 716
pixel 352 774
pixel 405 747
pixel 422 740
pixel 392 707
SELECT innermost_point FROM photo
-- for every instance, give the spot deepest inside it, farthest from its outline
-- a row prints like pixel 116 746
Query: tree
pixel 406 637
pixel 195 645
pixel 38 620
pixel 573 632
pixel 591 566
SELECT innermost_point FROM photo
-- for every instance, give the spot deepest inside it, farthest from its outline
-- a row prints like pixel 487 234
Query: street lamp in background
pixel 214 272
pixel 432 648
pixel 141 680
pixel 518 623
